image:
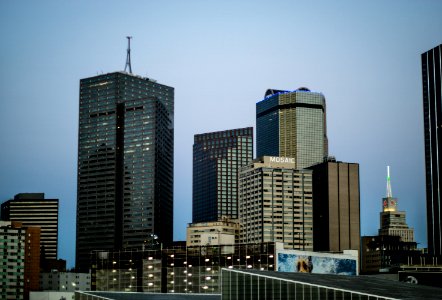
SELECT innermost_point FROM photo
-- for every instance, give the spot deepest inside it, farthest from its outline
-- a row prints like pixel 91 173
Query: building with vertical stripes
pixel 276 203
pixel 432 98
pixel 33 210
pixel 292 124
pixel 336 217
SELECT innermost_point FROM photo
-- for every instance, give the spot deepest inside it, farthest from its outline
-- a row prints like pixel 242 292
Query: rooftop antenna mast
pixel 389 193
pixel 128 64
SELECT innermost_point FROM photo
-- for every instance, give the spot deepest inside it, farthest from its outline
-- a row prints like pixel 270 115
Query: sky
pixel 221 57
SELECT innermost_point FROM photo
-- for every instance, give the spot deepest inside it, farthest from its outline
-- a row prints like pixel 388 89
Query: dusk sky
pixel 221 57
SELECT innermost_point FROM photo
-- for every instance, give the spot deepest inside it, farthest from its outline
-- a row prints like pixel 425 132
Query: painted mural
pixel 290 262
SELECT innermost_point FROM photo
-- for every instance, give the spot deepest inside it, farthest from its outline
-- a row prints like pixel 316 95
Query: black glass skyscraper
pixel 125 164
pixel 217 157
pixel 292 124
pixel 431 83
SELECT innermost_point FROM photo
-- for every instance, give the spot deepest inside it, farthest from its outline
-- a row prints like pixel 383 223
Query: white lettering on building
pixel 282 159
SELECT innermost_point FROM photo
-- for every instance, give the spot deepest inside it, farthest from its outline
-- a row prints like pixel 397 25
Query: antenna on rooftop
pixel 128 64
pixel 389 192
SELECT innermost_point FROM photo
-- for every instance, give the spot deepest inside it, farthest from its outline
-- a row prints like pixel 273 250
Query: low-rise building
pixel 180 269
pixel 65 281
pixel 222 232
pixel 51 295
pixel 384 252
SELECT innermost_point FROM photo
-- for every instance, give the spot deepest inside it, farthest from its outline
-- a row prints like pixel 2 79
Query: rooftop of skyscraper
pixel 273 92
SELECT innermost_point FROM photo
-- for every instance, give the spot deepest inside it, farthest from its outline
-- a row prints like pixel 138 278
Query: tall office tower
pixel 292 124
pixel 32 209
pixel 125 164
pixel 20 251
pixel 432 89
pixel 276 203
pixel 217 157
pixel 393 221
pixel 336 215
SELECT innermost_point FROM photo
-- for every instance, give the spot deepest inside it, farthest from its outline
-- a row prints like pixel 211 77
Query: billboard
pixel 316 262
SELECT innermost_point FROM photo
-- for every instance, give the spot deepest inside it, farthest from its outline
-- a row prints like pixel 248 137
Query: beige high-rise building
pixel 276 203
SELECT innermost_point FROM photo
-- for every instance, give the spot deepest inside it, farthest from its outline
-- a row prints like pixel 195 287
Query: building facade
pixel 382 252
pixel 65 281
pixel 276 203
pixel 336 210
pixel 392 221
pixel 432 98
pixel 222 232
pixel 292 124
pixel 180 269
pixel 13 272
pixel 217 157
pixel 20 253
pixel 125 163
pixel 370 254
pixel 31 210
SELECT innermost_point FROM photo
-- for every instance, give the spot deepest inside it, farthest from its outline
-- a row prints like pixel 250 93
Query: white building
pixel 65 281
pixel 51 295
pixel 222 232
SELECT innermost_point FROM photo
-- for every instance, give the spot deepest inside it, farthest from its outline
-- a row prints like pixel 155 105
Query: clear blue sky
pixel 220 56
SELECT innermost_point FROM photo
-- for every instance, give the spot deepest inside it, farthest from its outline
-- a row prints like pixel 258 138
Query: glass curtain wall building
pixel 125 164
pixel 178 269
pixel 432 90
pixel 292 124
pixel 217 157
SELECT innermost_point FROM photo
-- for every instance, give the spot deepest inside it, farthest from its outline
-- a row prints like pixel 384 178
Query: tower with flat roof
pixel 432 100
pixel 336 206
pixel 34 210
pixel 217 157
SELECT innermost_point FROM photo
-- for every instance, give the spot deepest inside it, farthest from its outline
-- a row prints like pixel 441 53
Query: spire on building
pixel 389 203
pixel 389 193
pixel 393 220
pixel 128 64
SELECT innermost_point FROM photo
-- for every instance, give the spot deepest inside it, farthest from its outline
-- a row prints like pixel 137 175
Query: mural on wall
pixel 290 262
